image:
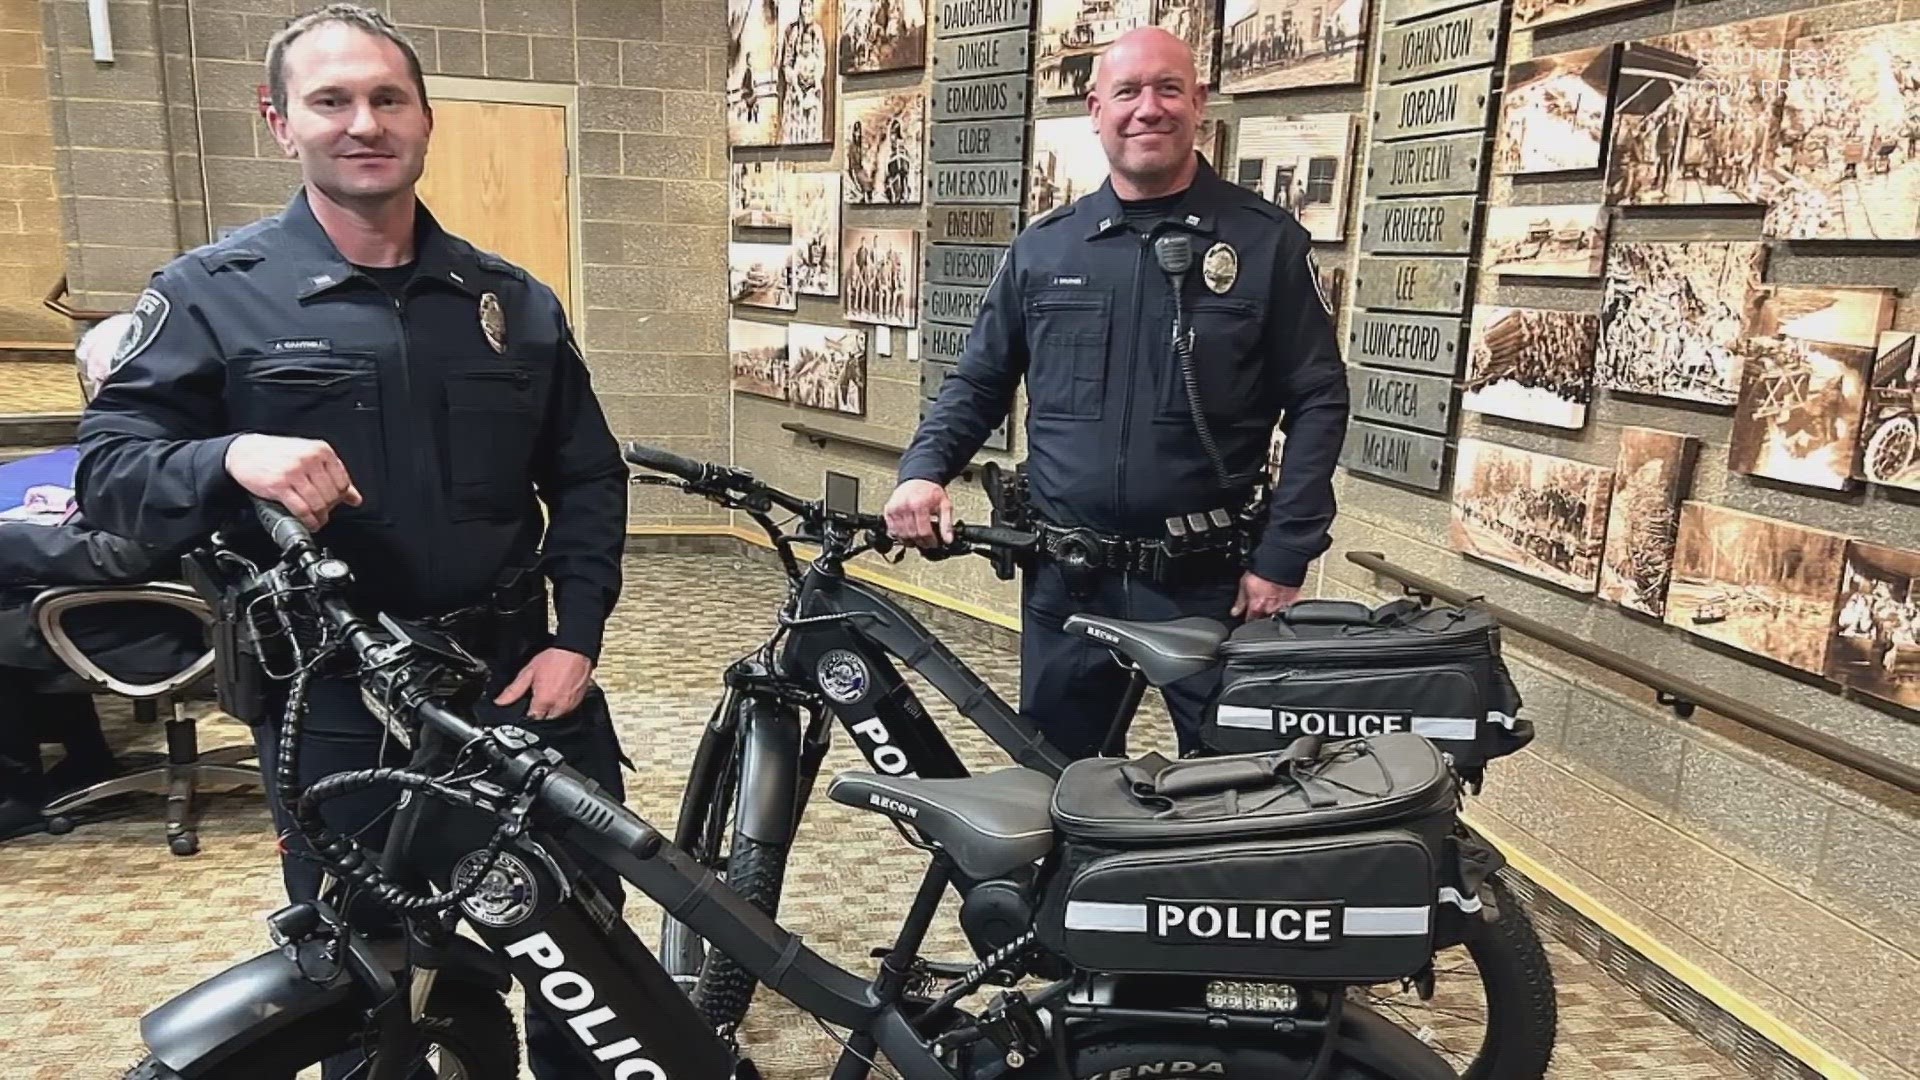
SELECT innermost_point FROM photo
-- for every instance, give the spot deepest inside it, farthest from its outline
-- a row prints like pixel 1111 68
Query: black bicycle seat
pixel 1165 652
pixel 990 824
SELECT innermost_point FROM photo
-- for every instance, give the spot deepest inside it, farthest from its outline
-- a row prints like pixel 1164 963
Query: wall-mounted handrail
pixel 1679 694
pixel 56 302
pixel 821 437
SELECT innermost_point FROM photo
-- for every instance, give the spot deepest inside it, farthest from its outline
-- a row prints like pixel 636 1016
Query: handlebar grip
pixel 581 802
pixel 995 536
pixel 661 461
pixel 282 527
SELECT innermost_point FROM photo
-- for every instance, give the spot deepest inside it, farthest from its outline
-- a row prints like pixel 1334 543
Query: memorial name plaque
pixel 1442 166
pixel 1458 39
pixel 953 304
pixel 972 224
pixel 1429 343
pixel 1431 285
pixel 943 344
pixel 1395 397
pixel 997 183
pixel 962 264
pixel 1000 438
pixel 974 16
pixel 973 99
pixel 979 140
pixel 1433 106
pixel 1395 455
pixel 1429 226
pixel 1399 11
pixel 932 374
pixel 987 54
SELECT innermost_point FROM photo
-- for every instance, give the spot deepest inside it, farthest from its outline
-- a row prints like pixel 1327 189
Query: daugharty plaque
pixel 1442 166
pixel 1437 286
pixel 1399 11
pixel 1458 39
pixel 974 99
pixel 979 140
pixel 1441 226
pixel 997 183
pixel 1436 106
pixel 962 264
pixel 932 374
pixel 982 54
pixel 953 304
pixel 943 344
pixel 1429 343
pixel 975 16
pixel 1405 456
pixel 972 224
pixel 1424 402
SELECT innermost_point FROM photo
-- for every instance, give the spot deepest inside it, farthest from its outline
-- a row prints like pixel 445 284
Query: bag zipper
pixel 1166 858
pixel 1307 650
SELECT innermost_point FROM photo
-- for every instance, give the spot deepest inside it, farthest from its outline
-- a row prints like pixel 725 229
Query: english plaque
pixel 979 140
pixel 975 16
pixel 962 264
pixel 1399 11
pixel 972 224
pixel 955 305
pixel 997 183
pixel 1442 166
pixel 932 374
pixel 1458 39
pixel 1405 456
pixel 943 344
pixel 1429 343
pixel 1438 286
pixel 1433 106
pixel 975 99
pixel 1423 402
pixel 1428 226
pixel 985 54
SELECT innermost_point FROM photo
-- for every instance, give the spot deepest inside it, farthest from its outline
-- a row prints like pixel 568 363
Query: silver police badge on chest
pixel 493 322
pixel 1220 268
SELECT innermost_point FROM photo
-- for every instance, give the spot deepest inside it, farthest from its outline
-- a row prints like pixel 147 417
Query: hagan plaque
pixel 985 54
pixel 1424 402
pixel 974 99
pixel 972 224
pixel 1442 166
pixel 978 140
pixel 974 16
pixel 1405 456
pixel 953 304
pixel 1458 39
pixel 1438 286
pixel 962 264
pixel 1428 343
pixel 1439 106
pixel 943 344
pixel 1427 226
pixel 997 183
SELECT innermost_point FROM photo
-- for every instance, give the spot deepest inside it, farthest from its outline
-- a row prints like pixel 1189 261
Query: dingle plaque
pixel 1429 343
pixel 1442 166
pixel 972 224
pixel 1456 40
pixel 997 183
pixel 1405 456
pixel 987 54
pixel 1432 285
pixel 962 264
pixel 974 99
pixel 1424 402
pixel 974 16
pixel 978 140
pixel 1433 106
pixel 1428 226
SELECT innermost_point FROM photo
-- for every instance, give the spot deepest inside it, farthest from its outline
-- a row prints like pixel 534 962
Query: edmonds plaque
pixel 1442 166
pixel 1428 226
pixel 1405 456
pixel 1399 11
pixel 973 99
pixel 1459 39
pixel 987 54
pixel 1429 343
pixel 1431 285
pixel 1433 106
pixel 972 224
pixel 997 183
pixel 1424 402
pixel 979 140
pixel 962 264
pixel 953 304
pixel 974 16
pixel 943 344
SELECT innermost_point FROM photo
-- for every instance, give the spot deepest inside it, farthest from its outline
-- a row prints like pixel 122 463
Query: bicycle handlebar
pixel 693 472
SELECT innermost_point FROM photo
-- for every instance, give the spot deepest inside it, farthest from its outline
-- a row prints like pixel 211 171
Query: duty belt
pixel 1217 536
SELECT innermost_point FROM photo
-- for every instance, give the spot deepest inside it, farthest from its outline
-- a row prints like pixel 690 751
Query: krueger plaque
pixel 1428 226
pixel 974 16
pixel 1438 286
pixel 932 374
pixel 973 99
pixel 1458 39
pixel 1439 166
pixel 1433 106
pixel 1424 402
pixel 943 344
pixel 1429 343
pixel 984 54
pixel 1406 456
pixel 998 183
pixel 979 140
pixel 1397 11
pixel 972 224
pixel 962 264
pixel 953 304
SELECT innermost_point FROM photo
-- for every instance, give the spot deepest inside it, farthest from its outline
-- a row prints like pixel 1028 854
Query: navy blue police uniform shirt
pixel 1081 310
pixel 458 402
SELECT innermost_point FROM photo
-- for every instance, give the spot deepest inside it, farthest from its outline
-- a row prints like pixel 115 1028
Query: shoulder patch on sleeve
pixel 1319 289
pixel 149 313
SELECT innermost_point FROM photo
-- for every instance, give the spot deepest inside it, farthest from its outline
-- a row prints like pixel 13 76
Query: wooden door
pixel 497 175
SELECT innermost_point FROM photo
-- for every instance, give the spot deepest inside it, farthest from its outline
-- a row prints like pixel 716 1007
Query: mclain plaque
pixel 954 304
pixel 1395 455
pixel 972 224
pixel 1433 106
pixel 979 140
pixel 962 264
pixel 1429 343
pixel 974 16
pixel 1432 285
pixel 998 183
pixel 1441 166
pixel 1399 11
pixel 987 54
pixel 974 99
pixel 1459 39
pixel 943 344
pixel 1427 226
pixel 1424 402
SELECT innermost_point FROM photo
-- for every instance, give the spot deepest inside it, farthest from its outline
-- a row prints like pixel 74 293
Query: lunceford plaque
pixel 1439 106
pixel 973 99
pixel 996 183
pixel 972 224
pixel 1424 402
pixel 985 54
pixel 953 304
pixel 1439 166
pixel 1396 11
pixel 1438 286
pixel 1458 39
pixel 979 140
pixel 932 374
pixel 1429 226
pixel 962 264
pixel 1429 343
pixel 942 344
pixel 1406 456
pixel 973 16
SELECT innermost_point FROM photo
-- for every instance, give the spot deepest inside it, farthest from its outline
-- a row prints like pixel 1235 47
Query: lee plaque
pixel 1438 286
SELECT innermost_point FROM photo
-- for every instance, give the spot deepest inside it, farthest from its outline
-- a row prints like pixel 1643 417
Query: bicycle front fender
pixel 264 1004
pixel 769 767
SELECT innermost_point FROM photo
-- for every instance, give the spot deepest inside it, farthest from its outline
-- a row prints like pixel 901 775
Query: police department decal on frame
pixel 1220 267
pixel 149 315
pixel 493 321
pixel 843 676
pixel 505 897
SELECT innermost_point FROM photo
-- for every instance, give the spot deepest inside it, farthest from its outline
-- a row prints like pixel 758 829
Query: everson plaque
pixel 953 304
pixel 1428 343
pixel 962 264
pixel 1405 456
pixel 1442 166
pixel 1458 39
pixel 974 16
pixel 984 54
pixel 974 99
pixel 997 183
pixel 979 140
pixel 1438 286
pixel 1424 402
pixel 972 224
pixel 1433 106
pixel 1428 226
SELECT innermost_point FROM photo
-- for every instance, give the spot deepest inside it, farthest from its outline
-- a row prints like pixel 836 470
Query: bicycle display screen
pixel 843 495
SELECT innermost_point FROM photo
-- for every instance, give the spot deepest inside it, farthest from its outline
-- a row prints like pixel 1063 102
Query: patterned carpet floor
pixel 100 925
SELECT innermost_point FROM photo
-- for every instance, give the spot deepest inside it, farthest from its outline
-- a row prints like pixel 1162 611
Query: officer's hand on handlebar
pixel 303 475
pixel 919 513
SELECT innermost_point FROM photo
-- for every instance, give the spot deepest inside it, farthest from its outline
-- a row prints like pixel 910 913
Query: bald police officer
pixel 1147 509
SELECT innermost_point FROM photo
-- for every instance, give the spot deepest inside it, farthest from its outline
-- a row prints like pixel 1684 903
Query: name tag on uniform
pixel 301 344
pixel 1075 279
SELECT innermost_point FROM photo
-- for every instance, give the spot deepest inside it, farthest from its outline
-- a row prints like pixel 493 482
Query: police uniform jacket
pixel 1082 311
pixel 457 412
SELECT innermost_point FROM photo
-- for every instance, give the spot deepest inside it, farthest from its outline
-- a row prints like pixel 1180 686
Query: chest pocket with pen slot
pixel 1227 359
pixel 331 396
pixel 493 418
pixel 1067 343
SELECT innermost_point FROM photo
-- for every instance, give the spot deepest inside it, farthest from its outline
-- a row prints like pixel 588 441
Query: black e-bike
pixel 833 656
pixel 476 841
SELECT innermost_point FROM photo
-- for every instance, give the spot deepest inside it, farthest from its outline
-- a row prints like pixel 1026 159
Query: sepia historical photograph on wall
pixel 1756 583
pixel 882 35
pixel 1553 112
pixel 761 275
pixel 1067 164
pixel 1529 364
pixel 1073 34
pixel 1650 480
pixel 828 369
pixel 758 353
pixel 1673 317
pixel 1876 629
pixel 1287 44
pixel 1891 451
pixel 1846 159
pixel 759 195
pixel 1532 14
pixel 780 72
pixel 816 233
pixel 1805 384
pixel 1546 241
pixel 1302 163
pixel 880 275
pixel 1541 515
pixel 884 138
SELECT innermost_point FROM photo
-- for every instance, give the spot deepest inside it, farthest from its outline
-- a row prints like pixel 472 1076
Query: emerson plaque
pixel 1439 106
pixel 1438 286
pixel 979 140
pixel 962 264
pixel 984 54
pixel 997 183
pixel 1427 226
pixel 943 344
pixel 1458 39
pixel 1424 402
pixel 975 99
pixel 1428 343
pixel 1442 166
pixel 972 224
pixel 975 16
pixel 953 304
pixel 1405 456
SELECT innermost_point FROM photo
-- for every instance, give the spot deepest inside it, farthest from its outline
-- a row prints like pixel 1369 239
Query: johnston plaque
pixel 1458 39
pixel 954 304
pixel 973 99
pixel 962 264
pixel 973 16
pixel 979 140
pixel 1427 226
pixel 1424 402
pixel 986 54
pixel 1433 106
pixel 1431 285
pixel 1429 343
pixel 1442 166
pixel 997 183
pixel 1396 455
pixel 942 344
pixel 972 224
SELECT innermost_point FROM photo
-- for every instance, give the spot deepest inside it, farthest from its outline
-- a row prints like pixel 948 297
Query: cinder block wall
pixel 30 255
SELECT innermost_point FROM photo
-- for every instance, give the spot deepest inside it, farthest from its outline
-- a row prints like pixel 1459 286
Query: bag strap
pixel 1155 780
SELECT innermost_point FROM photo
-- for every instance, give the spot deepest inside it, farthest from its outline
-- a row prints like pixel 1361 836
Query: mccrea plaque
pixel 978 140
pixel 1399 11
pixel 954 304
pixel 1429 343
pixel 974 16
pixel 962 264
pixel 1439 106
pixel 1426 226
pixel 1424 402
pixel 997 184
pixel 1458 39
pixel 1438 286
pixel 1442 166
pixel 975 99
pixel 983 54
pixel 943 344
pixel 1405 456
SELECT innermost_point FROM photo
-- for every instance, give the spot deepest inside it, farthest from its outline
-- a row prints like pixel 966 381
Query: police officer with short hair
pixel 1169 285
pixel 414 399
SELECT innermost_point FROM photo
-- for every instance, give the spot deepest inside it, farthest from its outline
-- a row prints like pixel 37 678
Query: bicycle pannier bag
pixel 1339 669
pixel 1322 862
